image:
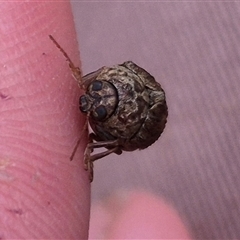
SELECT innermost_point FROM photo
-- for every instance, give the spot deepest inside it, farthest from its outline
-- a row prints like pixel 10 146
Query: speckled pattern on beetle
pixel 125 107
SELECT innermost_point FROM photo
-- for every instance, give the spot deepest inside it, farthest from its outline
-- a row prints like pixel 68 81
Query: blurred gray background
pixel 192 49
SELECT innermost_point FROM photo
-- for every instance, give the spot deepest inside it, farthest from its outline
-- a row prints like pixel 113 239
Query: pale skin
pixel 41 189
pixel 44 195
pixel 89 158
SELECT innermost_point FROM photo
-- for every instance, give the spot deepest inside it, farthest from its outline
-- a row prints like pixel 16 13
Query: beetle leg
pixel 112 146
pixel 90 159
pixel 110 143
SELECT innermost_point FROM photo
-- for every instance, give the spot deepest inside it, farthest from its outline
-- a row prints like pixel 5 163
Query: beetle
pixel 125 107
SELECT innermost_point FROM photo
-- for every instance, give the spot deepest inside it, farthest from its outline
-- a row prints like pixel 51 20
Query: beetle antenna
pixel 63 52
pixel 80 138
pixel 75 70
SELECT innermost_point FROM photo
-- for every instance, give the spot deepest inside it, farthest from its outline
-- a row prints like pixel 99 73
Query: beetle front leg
pixel 112 146
pixel 88 159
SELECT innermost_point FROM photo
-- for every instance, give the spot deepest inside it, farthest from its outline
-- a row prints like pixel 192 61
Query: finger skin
pixel 42 193
pixel 136 215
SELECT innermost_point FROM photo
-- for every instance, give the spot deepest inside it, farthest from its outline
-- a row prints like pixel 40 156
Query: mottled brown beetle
pixel 125 107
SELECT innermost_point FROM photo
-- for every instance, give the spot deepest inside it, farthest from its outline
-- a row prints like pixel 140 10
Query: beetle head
pixel 100 100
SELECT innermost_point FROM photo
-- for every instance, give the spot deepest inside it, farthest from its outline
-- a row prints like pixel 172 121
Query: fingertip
pixel 138 215
pixel 42 123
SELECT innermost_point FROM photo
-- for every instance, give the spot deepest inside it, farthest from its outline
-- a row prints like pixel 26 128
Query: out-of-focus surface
pixel 192 49
pixel 135 215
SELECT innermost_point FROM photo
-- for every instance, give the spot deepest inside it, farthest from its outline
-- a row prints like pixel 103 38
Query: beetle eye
pixel 96 85
pixel 100 113
pixel 83 104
